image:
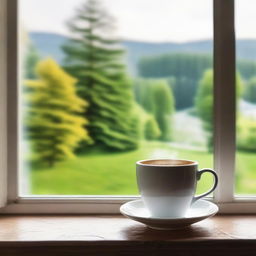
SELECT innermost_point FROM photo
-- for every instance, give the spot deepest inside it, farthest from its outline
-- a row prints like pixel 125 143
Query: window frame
pixel 3 105
pixel 224 128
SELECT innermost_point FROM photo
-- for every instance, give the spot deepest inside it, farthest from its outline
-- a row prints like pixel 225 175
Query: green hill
pixel 50 44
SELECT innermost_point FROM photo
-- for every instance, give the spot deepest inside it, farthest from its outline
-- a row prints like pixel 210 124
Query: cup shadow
pixel 142 232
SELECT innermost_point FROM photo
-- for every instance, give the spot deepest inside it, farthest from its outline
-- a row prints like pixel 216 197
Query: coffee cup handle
pixel 199 174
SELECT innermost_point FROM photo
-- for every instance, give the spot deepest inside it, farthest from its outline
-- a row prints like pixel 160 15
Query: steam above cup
pixel 168 186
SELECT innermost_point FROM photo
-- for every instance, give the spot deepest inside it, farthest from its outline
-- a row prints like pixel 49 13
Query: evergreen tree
pixel 52 125
pixel 184 70
pixel 95 60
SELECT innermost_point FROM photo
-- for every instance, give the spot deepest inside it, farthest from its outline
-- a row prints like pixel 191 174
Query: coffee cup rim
pixel 190 162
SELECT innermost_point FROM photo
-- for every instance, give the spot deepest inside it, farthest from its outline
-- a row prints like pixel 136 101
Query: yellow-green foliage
pixel 246 139
pixel 152 131
pixel 52 124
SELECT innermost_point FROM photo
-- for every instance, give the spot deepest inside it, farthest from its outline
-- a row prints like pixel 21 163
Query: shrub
pixel 246 139
pixel 151 129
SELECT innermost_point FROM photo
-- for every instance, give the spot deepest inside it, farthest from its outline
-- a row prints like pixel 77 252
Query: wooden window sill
pixel 116 235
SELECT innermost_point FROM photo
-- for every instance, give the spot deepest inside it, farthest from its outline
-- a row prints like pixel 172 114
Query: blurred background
pixel 105 83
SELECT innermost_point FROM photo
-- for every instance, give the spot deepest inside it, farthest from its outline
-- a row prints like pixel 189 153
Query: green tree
pixel 144 93
pixel 31 59
pixel 246 131
pixel 247 68
pixel 164 108
pixel 184 68
pixel 53 125
pixel 156 97
pixel 151 129
pixel 250 90
pixel 96 61
pixel 204 102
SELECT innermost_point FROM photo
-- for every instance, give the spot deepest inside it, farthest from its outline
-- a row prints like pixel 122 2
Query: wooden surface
pixel 116 235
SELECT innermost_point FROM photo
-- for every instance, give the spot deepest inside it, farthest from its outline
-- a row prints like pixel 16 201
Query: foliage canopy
pixel 95 59
pixel 204 102
pixel 53 125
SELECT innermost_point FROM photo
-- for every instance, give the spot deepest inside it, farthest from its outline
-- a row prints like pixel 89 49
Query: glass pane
pixel 246 98
pixel 107 83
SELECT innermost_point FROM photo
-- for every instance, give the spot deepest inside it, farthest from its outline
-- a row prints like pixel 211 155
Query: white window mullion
pixel 224 99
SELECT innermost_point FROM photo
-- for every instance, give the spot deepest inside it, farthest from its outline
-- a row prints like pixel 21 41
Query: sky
pixel 141 20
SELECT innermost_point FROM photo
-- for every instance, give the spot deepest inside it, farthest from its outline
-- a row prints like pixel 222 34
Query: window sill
pixel 116 235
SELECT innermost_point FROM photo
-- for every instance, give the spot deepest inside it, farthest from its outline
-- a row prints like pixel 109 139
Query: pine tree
pixel 95 60
pixel 53 126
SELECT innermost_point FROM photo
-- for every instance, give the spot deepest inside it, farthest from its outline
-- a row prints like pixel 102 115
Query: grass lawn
pixel 98 173
pixel 245 173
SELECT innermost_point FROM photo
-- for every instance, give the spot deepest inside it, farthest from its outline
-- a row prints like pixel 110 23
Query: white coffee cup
pixel 168 186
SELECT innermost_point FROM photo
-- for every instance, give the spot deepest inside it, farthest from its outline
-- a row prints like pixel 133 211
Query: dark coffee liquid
pixel 170 162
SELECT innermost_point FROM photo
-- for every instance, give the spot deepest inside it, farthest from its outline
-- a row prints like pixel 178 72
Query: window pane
pixel 107 83
pixel 246 97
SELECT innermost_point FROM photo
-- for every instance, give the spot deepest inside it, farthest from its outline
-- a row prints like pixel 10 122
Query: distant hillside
pixel 49 44
pixel 136 50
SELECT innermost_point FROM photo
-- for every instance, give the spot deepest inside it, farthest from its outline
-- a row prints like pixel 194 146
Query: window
pixel 146 118
pixel 23 197
pixel 245 155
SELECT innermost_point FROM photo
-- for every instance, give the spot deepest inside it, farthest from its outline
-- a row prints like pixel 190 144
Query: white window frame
pixel 224 128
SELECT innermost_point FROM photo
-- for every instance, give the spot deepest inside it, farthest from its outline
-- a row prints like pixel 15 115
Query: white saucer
pixel 200 210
